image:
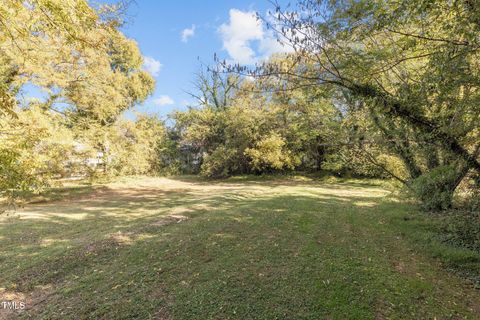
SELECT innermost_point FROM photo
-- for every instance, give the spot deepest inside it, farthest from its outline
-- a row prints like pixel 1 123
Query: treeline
pixel 410 66
pixel 370 89
pixel 246 126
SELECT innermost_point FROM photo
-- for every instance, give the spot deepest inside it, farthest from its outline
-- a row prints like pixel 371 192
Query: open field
pixel 183 248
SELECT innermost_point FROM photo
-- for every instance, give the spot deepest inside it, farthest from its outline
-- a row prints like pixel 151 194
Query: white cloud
pixel 188 33
pixel 270 45
pixel 151 65
pixel 244 30
pixel 163 101
pixel 250 78
pixel 188 103
pixel 238 33
pixel 279 42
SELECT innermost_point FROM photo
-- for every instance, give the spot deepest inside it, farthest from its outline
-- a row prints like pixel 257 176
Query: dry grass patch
pixel 185 248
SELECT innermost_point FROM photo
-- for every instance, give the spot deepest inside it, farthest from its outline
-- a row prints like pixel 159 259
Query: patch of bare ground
pixel 170 219
pixel 32 300
pixel 381 310
pixel 128 194
pixel 35 299
pixel 407 267
pixel 100 246
pixel 163 313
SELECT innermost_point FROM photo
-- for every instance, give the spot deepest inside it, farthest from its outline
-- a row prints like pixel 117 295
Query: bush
pixel 463 229
pixel 270 154
pixel 435 189
pixel 394 165
pixel 350 162
pixel 220 163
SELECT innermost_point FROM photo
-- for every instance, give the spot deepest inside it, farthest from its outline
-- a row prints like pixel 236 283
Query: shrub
pixel 220 163
pixel 435 189
pixel 270 154
pixel 463 229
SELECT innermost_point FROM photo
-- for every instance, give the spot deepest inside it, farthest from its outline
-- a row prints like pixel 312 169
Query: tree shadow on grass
pixel 112 238
pixel 70 222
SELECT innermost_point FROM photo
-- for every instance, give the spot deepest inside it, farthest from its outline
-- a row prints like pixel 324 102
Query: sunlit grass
pixel 242 248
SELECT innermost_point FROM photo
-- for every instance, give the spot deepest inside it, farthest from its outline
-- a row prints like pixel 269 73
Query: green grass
pixel 243 248
pixel 67 190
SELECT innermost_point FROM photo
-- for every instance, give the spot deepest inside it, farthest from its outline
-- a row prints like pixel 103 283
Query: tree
pixel 76 54
pixel 412 64
pixel 254 131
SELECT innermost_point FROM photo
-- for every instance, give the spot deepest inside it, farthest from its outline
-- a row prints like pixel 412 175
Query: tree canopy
pixel 88 70
pixel 371 89
pixel 411 65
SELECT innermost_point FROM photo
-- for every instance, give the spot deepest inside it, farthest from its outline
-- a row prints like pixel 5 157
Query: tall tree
pixel 76 54
pixel 412 64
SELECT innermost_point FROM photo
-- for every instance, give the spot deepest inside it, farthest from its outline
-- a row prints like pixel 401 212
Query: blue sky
pixel 175 37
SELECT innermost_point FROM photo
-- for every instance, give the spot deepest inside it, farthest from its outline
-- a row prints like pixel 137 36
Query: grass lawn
pixel 183 248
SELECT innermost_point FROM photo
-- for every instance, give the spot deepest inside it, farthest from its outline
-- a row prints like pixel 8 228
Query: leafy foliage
pixel 463 229
pixel 410 66
pixel 90 73
pixel 435 188
pixel 372 89
pixel 270 154
pixel 253 131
